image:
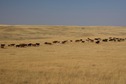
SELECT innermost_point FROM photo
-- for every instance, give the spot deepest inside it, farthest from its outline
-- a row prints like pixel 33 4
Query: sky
pixel 63 12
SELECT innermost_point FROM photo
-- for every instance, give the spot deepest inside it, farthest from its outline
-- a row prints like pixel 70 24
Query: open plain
pixel 62 63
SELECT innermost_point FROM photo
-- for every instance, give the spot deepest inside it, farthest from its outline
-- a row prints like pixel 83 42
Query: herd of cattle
pixel 95 40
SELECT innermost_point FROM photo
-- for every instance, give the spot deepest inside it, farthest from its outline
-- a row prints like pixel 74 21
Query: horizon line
pixel 53 25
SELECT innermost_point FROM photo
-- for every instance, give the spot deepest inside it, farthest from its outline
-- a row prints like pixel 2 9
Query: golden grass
pixel 71 63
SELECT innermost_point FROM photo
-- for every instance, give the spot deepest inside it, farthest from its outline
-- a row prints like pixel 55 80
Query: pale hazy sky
pixel 63 12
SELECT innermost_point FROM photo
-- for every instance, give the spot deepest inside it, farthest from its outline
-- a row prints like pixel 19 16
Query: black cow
pixel 2 45
pixel 63 42
pixel 56 41
pixel 97 42
pixel 48 43
pixel 38 44
pixel 83 41
pixel 23 45
pixel 11 45
pixel 105 40
pixel 17 46
pixel 30 44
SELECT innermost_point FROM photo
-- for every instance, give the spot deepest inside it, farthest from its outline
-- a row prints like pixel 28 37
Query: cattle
pixel 56 41
pixel 2 45
pixel 63 42
pixel 105 40
pixel 38 44
pixel 29 44
pixel 79 40
pixel 83 41
pixel 17 46
pixel 23 45
pixel 11 45
pixel 97 42
pixel 97 38
pixel 91 40
pixel 120 39
pixel 48 43
pixel 113 39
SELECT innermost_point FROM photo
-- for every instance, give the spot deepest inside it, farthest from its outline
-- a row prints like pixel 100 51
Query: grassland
pixel 71 63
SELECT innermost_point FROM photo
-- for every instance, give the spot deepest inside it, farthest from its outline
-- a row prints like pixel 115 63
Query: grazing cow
pixel 105 40
pixel 38 44
pixel 79 40
pixel 17 46
pixel 63 42
pixel 11 45
pixel 30 44
pixel 48 43
pixel 23 45
pixel 2 45
pixel 120 39
pixel 56 41
pixel 113 39
pixel 97 38
pixel 97 42
pixel 83 41
pixel 110 39
pixel 91 40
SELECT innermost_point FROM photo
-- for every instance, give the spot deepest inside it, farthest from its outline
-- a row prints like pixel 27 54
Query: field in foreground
pixel 70 63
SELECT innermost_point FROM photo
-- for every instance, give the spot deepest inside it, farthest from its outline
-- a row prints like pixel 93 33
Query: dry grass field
pixel 69 63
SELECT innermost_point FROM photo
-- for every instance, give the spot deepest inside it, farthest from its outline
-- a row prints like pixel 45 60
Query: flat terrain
pixel 69 63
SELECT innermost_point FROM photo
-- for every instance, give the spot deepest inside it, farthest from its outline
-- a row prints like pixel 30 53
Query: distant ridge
pixel 62 25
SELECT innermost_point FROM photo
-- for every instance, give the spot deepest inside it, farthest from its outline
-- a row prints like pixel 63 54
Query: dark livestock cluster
pixel 88 40
pixel 95 40
pixel 22 45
